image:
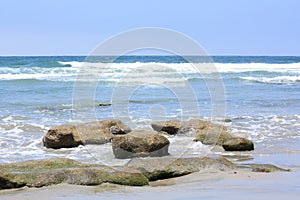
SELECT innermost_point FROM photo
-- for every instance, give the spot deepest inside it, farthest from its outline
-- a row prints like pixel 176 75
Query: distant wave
pixel 189 68
pixel 71 63
pixel 33 76
pixel 141 72
pixel 276 80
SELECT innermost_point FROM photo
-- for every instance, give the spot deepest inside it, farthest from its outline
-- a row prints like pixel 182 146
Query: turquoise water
pixel 262 97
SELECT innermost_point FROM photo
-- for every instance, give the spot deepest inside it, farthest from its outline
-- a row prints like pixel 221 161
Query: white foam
pixel 277 79
pixel 203 67
pixel 113 72
pixel 252 67
pixel 31 76
pixel 266 128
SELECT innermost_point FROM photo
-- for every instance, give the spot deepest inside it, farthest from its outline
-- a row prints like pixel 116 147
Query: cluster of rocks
pixel 126 143
pixel 141 143
pixel 206 132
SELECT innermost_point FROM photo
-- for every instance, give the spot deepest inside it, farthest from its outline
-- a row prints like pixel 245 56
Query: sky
pixel 221 27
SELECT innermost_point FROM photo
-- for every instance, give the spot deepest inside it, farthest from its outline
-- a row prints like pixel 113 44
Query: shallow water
pixel 261 97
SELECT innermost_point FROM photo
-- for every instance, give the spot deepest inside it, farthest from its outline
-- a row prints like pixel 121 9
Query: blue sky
pixel 222 27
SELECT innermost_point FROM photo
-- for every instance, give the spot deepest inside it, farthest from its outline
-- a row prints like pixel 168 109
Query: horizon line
pixel 77 55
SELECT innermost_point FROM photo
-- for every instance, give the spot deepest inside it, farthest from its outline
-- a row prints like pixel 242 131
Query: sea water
pixel 261 97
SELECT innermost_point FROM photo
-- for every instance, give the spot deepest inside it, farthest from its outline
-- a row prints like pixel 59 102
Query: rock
pixel 163 168
pixel 174 127
pixel 140 143
pixel 204 131
pixel 6 183
pixel 267 168
pixel 238 144
pixel 227 120
pixel 67 136
pixel 54 171
pixel 171 127
pixel 104 104
pixel 119 130
pixel 64 136
pixel 208 133
pixel 212 135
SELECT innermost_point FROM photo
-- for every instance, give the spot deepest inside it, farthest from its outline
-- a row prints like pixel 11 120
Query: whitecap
pixel 275 80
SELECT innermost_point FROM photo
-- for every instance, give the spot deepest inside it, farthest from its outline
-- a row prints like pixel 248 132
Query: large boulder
pixel 140 143
pixel 98 132
pixel 208 133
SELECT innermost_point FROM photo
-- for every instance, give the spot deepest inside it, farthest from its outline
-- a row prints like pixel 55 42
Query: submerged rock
pixel 104 104
pixel 140 143
pixel 238 144
pixel 66 136
pixel 208 133
pixel 267 168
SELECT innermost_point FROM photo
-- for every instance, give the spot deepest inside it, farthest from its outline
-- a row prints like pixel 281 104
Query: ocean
pixel 261 100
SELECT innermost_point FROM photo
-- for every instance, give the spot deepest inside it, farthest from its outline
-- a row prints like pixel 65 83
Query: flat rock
pixel 98 132
pixel 140 143
pixel 137 172
pixel 54 171
pixel 163 168
pixel 266 168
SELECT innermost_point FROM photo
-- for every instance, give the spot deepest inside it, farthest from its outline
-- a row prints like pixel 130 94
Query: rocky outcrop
pixel 206 132
pixel 55 171
pixel 163 168
pixel 99 132
pixel 137 172
pixel 238 144
pixel 140 143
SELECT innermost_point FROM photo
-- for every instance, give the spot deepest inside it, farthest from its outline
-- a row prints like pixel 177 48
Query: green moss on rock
pixel 127 178
pixel 54 171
